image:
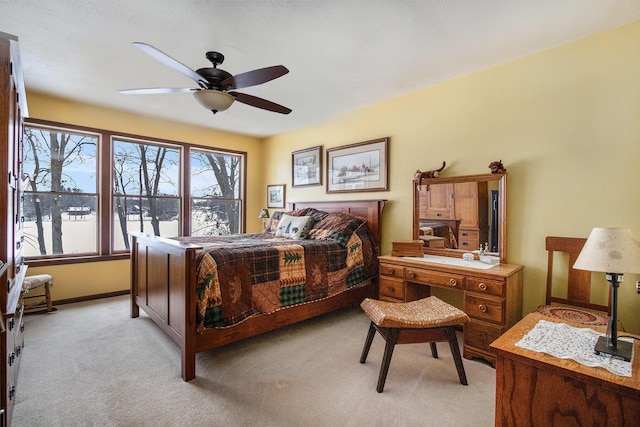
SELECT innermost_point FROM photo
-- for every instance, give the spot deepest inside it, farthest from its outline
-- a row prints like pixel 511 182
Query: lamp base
pixel 622 350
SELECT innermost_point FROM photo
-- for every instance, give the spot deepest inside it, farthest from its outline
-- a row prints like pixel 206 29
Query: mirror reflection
pixel 461 214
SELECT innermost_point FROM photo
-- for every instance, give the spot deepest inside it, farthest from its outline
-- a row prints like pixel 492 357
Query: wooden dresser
pixel 13 108
pixel 537 389
pixel 492 297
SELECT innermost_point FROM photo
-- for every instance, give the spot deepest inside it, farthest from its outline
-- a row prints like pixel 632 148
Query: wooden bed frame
pixel 163 284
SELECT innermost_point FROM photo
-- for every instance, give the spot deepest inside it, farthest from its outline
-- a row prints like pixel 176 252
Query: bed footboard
pixel 163 284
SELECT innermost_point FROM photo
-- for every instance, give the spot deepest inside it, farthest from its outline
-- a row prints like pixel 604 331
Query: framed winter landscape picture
pixel 358 167
pixel 306 167
pixel 275 196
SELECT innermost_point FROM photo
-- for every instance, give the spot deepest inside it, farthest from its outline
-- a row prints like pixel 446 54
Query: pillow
pixel 294 227
pixel 316 214
pixel 272 225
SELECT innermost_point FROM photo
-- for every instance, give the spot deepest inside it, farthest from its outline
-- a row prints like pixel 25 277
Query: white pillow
pixel 293 227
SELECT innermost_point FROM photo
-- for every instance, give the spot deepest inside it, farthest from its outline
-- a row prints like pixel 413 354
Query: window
pixel 86 189
pixel 146 190
pixel 60 200
pixel 215 193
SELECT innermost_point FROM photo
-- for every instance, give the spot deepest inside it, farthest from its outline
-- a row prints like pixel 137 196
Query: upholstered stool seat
pixel 43 299
pixel 426 320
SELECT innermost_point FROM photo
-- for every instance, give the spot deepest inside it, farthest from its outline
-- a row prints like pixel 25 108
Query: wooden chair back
pixel 578 281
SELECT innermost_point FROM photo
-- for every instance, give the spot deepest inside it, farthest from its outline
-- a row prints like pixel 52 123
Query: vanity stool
pixel 425 320
pixel 44 281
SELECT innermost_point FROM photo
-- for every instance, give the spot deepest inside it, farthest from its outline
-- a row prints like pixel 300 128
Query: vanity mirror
pixel 454 215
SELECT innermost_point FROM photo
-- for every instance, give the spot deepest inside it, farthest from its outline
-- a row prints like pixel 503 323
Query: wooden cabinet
pixel 436 202
pixel 471 208
pixel 492 297
pixel 466 202
pixel 13 109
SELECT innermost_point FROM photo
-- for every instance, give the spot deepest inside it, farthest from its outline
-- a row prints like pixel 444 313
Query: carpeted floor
pixel 90 364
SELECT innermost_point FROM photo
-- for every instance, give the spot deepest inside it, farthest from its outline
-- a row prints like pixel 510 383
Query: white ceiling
pixel 342 55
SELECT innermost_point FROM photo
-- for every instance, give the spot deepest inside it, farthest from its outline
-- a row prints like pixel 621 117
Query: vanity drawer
pixel 484 308
pixel 469 239
pixel 480 334
pixel 484 286
pixel 391 270
pixel 391 289
pixel 433 278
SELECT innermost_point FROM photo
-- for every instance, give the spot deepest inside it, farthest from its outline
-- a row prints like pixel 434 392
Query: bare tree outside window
pixel 60 192
pixel 145 189
pixel 215 193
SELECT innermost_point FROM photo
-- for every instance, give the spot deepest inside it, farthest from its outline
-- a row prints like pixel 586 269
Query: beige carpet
pixel 90 364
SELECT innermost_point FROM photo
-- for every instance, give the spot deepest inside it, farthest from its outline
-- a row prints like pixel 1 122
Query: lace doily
pixel 567 342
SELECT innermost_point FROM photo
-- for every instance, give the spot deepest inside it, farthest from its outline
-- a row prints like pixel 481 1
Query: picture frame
pixel 275 196
pixel 358 167
pixel 306 167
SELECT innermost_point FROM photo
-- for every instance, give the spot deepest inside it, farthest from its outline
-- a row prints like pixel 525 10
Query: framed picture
pixel 358 167
pixel 306 167
pixel 275 196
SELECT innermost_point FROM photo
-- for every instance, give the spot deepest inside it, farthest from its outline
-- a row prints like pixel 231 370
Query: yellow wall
pixel 565 122
pixel 78 280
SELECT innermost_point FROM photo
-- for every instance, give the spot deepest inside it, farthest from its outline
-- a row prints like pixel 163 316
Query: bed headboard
pixel 369 210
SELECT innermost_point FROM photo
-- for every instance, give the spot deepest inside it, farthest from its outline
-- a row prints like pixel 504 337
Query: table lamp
pixel 613 251
pixel 263 215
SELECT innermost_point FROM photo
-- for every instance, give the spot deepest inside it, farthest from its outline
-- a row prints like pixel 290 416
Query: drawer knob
pixel 482 287
pixel 482 308
pixel 411 274
pixel 482 336
pixel 453 282
pixel 390 271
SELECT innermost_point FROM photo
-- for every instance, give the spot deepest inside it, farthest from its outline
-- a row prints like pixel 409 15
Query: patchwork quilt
pixel 242 275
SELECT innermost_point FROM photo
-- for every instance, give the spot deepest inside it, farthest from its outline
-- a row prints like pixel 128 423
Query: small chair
pixel 44 281
pixel 426 320
pixel 576 306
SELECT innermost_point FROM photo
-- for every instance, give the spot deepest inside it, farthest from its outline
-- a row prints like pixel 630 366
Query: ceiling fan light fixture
pixel 214 100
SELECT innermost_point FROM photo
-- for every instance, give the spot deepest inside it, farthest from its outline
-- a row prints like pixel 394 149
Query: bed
pixel 171 283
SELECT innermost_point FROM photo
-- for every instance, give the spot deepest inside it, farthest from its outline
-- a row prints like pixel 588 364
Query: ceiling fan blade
pixel 254 101
pixel 152 90
pixel 255 77
pixel 174 64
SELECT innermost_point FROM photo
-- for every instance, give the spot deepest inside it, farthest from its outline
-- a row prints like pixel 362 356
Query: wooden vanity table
pixel 465 212
pixel 492 297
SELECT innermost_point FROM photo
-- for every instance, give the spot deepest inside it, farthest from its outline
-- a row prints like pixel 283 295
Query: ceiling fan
pixel 215 91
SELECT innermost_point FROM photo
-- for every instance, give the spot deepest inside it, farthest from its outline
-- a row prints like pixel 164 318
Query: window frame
pixel 105 194
pixel 179 186
pixel 188 229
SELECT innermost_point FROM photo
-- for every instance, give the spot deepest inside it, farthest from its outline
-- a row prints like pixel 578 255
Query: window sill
pixel 42 262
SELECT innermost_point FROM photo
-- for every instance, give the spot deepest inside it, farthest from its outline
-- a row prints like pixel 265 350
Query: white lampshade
pixel 214 100
pixel 610 250
pixel 264 213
